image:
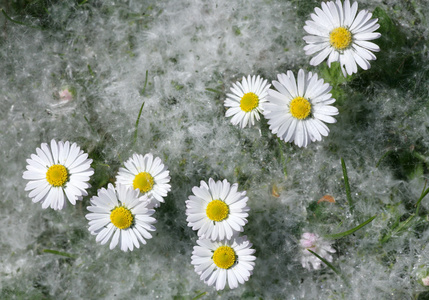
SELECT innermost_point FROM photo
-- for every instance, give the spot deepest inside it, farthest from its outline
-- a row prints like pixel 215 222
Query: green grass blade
pixel 199 296
pixel 141 109
pixel 330 266
pixel 325 262
pixel 346 233
pixel 59 253
pixel 424 193
pixel 346 183
pixel 89 124
pixel 17 22
pixel 402 226
pixel 214 91
pixel 409 221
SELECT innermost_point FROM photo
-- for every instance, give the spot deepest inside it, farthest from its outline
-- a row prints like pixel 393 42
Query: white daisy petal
pixel 315 47
pixel 51 179
pixel 226 261
pixel 217 210
pixel 54 149
pixel 368 45
pixel 336 29
pixel 320 56
pixel 362 62
pixel 127 221
pixel 72 155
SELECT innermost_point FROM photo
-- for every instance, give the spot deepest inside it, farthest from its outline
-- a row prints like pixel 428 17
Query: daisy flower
pixel 148 175
pixel 316 244
pixel 58 172
pixel 217 210
pixel 296 111
pixel 224 261
pixel 246 99
pixel 337 33
pixel 120 213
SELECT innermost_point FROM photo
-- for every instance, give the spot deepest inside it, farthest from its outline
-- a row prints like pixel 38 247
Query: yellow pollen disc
pixel 249 102
pixel 143 181
pixel 217 210
pixel 300 108
pixel 57 175
pixel 121 217
pixel 224 257
pixel 340 38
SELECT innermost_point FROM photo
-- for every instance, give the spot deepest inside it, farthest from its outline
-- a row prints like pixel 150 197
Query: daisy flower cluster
pixel 298 109
pixel 120 213
pixel 297 106
pixel 125 211
pixel 218 211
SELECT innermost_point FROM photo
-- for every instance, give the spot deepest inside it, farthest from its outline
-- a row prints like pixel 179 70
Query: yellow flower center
pixel 340 38
pixel 300 108
pixel 217 210
pixel 143 181
pixel 249 102
pixel 121 217
pixel 57 175
pixel 224 257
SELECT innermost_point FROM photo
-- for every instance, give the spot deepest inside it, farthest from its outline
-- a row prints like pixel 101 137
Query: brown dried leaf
pixel 326 198
pixel 275 191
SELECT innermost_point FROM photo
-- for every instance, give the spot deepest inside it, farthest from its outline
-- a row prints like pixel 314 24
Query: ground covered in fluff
pixel 191 53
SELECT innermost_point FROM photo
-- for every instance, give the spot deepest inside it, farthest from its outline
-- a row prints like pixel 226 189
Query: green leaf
pixel 390 33
pixel 348 232
pixel 333 74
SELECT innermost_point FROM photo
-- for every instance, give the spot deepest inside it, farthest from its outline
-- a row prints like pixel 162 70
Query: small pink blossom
pixel 316 244
pixel 425 281
pixel 65 95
